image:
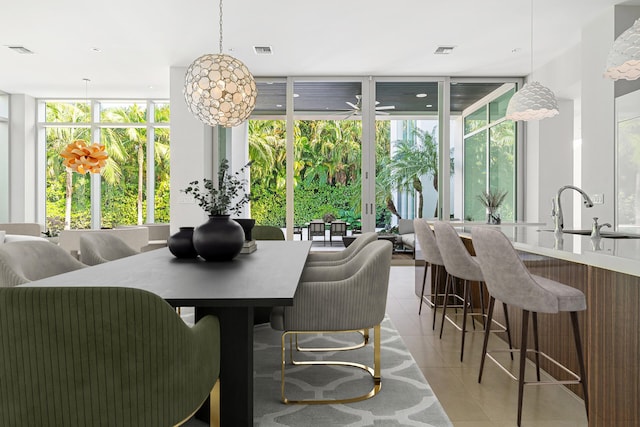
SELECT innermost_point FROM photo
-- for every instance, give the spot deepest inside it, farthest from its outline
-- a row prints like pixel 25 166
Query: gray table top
pixel 266 277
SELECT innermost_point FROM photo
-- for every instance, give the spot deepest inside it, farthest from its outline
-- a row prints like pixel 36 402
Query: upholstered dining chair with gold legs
pixel 29 260
pixel 317 259
pixel 509 280
pixel 461 265
pixel 432 257
pixel 350 298
pixel 99 356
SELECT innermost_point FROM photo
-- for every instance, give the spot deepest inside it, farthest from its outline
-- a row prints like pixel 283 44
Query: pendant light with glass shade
pixel 623 61
pixel 219 89
pixel 534 101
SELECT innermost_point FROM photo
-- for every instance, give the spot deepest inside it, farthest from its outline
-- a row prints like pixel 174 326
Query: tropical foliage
pixel 123 189
pixel 327 165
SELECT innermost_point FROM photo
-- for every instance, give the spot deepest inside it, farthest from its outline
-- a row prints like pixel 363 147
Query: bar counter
pixel 608 272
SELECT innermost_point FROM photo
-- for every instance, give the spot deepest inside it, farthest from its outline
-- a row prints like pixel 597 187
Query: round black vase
pixel 181 243
pixel 247 225
pixel 219 239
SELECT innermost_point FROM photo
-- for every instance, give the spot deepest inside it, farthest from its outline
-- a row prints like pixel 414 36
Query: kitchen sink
pixel 603 234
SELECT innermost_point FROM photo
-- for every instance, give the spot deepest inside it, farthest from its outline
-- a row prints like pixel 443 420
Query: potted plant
pixel 220 238
pixel 492 200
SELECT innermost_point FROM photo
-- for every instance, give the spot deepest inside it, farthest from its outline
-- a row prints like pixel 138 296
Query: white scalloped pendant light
pixel 623 61
pixel 533 102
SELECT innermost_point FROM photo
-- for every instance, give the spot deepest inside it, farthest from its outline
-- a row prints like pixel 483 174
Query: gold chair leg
pixel 214 405
pixel 374 372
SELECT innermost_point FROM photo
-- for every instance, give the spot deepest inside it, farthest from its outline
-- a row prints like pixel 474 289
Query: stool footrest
pixel 577 379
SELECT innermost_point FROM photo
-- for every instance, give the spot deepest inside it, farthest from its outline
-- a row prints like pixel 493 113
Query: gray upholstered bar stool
pixel 461 265
pixel 509 280
pixel 432 257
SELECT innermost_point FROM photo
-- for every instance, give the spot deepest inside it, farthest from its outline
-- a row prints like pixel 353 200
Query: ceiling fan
pixel 356 109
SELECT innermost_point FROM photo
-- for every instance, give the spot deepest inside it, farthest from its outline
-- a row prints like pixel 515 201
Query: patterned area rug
pixel 404 400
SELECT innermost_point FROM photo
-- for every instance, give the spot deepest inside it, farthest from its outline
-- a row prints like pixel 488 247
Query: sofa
pixel 406 234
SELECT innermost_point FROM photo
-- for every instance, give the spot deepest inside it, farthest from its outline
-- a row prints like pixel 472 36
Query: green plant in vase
pixel 220 239
pixel 492 200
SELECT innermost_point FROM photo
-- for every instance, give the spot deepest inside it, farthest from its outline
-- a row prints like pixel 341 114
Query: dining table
pixel 229 290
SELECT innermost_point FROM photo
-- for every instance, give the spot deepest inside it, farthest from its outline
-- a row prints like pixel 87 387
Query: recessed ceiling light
pixel 263 50
pixel 21 49
pixel 444 50
pixel 279 105
pixel 295 95
pixel 421 95
pixel 429 105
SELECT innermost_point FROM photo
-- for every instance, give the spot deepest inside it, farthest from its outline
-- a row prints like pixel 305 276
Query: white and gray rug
pixel 404 400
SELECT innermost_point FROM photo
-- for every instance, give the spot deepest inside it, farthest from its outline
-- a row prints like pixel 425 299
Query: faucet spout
pixel 556 213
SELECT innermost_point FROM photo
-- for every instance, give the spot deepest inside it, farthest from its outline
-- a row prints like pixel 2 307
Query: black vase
pixel 247 225
pixel 181 243
pixel 219 239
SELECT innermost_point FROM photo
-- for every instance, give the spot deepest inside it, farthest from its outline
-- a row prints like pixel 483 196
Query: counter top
pixel 621 255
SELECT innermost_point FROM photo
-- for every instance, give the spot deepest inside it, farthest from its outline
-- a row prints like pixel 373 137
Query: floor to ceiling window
pixel 346 130
pixel 136 137
pixel 490 156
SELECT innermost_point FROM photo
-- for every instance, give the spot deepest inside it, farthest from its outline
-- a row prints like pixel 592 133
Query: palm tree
pixel 414 158
pixel 58 138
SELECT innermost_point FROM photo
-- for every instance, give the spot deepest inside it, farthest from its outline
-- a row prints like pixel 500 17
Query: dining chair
pixel 342 299
pixel 337 229
pixel 29 260
pixel 103 356
pixel 509 281
pixel 317 259
pixel 267 232
pixel 97 248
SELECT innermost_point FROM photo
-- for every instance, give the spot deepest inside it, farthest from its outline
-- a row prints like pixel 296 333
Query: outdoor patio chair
pixel 316 228
pixel 338 229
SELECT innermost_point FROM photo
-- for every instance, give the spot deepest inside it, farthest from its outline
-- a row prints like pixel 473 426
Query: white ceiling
pixel 140 40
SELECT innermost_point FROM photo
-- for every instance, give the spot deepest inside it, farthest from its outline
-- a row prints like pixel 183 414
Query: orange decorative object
pixel 83 158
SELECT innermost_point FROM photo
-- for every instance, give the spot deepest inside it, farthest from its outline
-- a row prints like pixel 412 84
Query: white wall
pixel 23 171
pixel 191 153
pixel 586 99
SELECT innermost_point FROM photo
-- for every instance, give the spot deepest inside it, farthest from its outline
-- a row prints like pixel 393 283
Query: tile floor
pixel 467 403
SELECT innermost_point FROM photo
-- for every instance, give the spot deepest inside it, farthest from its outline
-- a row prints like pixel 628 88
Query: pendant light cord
pixel 221 27
pixel 531 41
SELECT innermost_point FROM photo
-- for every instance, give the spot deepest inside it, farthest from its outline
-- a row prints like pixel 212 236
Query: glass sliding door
pixel 267 135
pixel 328 152
pixel 407 144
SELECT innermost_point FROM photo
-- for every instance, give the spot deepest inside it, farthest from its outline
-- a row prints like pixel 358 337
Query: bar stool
pixel 461 265
pixel 432 257
pixel 508 280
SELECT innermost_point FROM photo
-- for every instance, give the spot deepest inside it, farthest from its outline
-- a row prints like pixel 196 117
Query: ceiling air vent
pixel 20 49
pixel 263 50
pixel 444 50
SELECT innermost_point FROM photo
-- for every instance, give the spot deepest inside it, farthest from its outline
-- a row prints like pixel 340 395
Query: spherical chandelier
pixel 219 89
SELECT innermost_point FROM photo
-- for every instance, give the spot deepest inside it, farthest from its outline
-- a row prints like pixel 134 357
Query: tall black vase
pixel 247 225
pixel 219 239
pixel 181 243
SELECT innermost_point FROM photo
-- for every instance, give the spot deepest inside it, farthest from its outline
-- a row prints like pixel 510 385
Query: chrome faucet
pixel 595 228
pixel 556 211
